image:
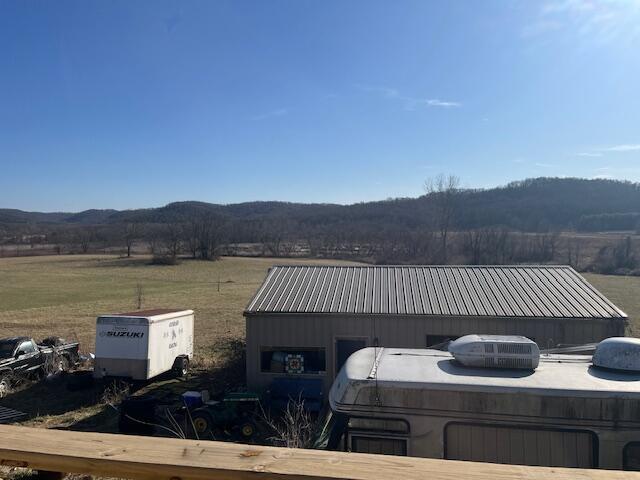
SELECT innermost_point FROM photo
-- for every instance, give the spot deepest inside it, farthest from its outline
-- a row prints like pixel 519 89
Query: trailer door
pixel 521 445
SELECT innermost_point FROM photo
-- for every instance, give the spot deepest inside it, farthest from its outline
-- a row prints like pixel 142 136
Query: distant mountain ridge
pixel 528 205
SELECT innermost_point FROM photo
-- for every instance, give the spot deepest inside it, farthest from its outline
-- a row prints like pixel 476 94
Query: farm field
pixel 62 295
pixel 624 292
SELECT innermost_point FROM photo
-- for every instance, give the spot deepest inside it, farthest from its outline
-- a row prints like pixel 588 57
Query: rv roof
pixel 564 375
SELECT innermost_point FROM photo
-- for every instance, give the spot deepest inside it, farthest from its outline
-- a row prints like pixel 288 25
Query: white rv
pixel 551 410
pixel 144 344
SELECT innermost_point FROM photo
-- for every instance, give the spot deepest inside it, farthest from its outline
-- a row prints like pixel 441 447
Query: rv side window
pixel 293 360
pixel 389 425
pixel 380 445
pixel 631 456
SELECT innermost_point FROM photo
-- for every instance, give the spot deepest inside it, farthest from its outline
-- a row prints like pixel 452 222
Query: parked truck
pixel 22 357
pixel 491 399
pixel 143 344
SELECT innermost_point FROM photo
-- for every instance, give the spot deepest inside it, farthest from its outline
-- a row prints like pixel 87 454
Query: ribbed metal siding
pixel 492 291
pixel 404 331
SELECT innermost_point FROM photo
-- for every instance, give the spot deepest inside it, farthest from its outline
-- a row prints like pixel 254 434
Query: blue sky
pixel 121 104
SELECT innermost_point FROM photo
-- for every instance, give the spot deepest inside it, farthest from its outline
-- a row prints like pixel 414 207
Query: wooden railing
pixel 134 457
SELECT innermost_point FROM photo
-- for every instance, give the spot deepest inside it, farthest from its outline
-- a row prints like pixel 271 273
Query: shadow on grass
pixel 50 403
pixel 51 397
pixel 121 262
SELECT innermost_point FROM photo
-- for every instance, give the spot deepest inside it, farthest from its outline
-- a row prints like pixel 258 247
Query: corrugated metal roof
pixel 494 291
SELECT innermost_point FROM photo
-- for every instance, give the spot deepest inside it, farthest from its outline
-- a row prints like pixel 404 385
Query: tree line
pixel 448 224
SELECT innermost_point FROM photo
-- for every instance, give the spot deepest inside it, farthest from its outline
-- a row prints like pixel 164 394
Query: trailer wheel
pixel 181 366
pixel 5 385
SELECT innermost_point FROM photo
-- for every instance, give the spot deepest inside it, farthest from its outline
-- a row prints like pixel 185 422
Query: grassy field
pixel 624 292
pixel 62 295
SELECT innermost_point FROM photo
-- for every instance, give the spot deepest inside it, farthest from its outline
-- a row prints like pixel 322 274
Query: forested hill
pixel 537 204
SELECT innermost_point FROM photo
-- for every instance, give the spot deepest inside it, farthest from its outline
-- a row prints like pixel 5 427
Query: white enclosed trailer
pixel 144 344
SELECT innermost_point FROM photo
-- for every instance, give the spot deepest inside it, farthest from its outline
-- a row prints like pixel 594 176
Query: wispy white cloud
pixel 408 102
pixel 271 114
pixel 544 165
pixel 436 102
pixel 598 21
pixel 599 152
pixel 519 160
pixel 589 154
pixel 623 148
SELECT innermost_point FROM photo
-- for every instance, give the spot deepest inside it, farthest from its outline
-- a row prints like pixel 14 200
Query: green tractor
pixel 236 416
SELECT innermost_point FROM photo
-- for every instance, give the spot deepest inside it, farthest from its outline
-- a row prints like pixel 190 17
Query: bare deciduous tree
pixel 574 252
pixel 172 239
pixel 131 232
pixel 443 191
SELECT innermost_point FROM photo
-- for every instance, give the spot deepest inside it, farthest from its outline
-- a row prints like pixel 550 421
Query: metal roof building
pixel 314 317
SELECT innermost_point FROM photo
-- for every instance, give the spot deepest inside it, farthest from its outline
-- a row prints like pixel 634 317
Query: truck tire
pixel 63 364
pixel 181 366
pixel 5 384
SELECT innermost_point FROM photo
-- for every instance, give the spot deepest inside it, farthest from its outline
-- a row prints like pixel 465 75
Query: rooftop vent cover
pixel 618 353
pixel 496 351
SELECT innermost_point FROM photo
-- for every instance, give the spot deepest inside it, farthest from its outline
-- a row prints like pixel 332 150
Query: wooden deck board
pixel 144 458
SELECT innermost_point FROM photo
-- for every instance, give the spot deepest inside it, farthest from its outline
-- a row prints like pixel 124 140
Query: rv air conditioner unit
pixel 618 353
pixel 496 351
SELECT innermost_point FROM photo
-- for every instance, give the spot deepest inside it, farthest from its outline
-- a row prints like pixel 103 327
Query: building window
pixel 293 360
pixel 379 445
pixel 631 456
pixel 437 340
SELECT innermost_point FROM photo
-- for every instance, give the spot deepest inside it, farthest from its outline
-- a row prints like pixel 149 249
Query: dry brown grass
pixel 62 295
pixel 624 292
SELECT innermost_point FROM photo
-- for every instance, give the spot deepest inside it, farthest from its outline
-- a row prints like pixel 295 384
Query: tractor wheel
pixel 202 423
pixel 247 430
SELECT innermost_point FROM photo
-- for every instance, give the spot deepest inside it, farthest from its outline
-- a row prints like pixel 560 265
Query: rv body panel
pixel 565 413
